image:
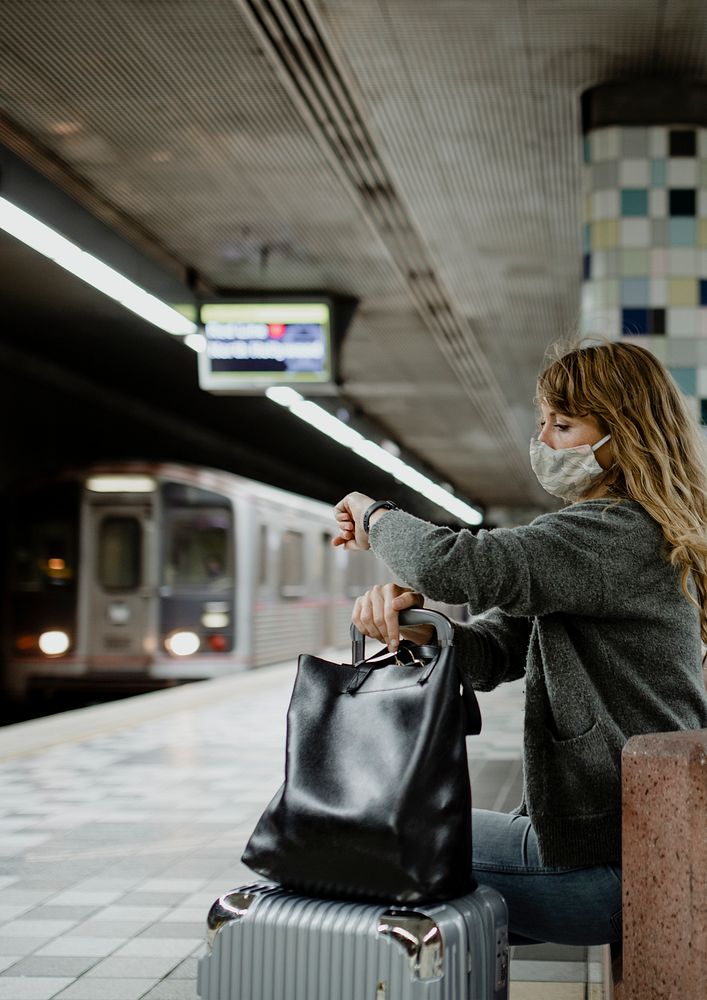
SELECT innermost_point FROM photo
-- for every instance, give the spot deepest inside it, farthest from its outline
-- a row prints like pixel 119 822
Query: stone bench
pixel 664 789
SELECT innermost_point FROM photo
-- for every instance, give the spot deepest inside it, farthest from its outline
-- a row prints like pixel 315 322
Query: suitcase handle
pixel 411 617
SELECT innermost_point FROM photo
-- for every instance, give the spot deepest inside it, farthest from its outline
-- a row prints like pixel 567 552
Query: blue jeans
pixel 563 905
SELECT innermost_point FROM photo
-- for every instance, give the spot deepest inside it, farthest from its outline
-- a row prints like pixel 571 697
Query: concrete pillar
pixel 644 212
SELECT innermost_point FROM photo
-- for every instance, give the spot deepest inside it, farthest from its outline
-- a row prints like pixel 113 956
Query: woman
pixel 600 606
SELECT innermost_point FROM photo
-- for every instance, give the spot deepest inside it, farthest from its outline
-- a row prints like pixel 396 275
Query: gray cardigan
pixel 586 605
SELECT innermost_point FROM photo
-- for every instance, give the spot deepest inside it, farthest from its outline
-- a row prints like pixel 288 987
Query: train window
pixel 120 553
pixel 292 579
pixel 44 538
pixel 45 555
pixel 196 552
pixel 325 564
pixel 183 495
pixel 263 556
pixel 358 573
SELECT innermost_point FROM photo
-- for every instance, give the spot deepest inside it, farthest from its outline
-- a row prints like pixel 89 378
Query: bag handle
pixel 445 637
pixel 411 617
pixel 423 656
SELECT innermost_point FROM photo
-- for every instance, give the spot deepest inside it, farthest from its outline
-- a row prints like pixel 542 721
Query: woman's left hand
pixel 349 518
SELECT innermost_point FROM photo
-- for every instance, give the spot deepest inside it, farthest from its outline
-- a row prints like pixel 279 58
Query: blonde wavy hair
pixel 658 447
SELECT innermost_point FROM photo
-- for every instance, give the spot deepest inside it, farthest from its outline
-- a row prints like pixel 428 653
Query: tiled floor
pixel 120 824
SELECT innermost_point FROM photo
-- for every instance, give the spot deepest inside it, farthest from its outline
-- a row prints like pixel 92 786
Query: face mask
pixel 566 472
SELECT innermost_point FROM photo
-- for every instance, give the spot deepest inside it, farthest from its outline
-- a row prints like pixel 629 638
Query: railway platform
pixel 121 823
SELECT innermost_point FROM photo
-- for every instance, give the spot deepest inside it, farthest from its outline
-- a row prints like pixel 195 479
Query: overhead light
pixel 326 423
pixel 121 484
pixel 197 342
pixel 90 269
pixel 283 395
pixel 382 458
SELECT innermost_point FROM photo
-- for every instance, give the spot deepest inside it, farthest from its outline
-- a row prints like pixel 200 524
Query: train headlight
pixel 182 643
pixel 215 619
pixel 53 643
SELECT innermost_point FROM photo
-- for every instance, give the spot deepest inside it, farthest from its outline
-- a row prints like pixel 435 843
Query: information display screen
pixel 253 345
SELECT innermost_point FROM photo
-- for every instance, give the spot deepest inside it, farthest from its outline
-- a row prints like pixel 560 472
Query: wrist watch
pixel 378 505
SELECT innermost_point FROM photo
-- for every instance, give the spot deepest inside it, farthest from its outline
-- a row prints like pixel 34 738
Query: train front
pixel 119 582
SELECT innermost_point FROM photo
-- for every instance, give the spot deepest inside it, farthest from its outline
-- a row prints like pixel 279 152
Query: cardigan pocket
pixel 580 777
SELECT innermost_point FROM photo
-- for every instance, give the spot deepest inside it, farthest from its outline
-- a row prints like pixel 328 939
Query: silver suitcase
pixel 265 943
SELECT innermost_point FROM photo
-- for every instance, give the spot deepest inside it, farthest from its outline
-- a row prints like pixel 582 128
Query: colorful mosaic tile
pixel 635 233
pixel 682 232
pixel 682 173
pixel 682 291
pixel 684 261
pixel 605 234
pixel 606 175
pixel 659 232
pixel 682 322
pixel 635 291
pixel 659 173
pixel 659 261
pixel 681 201
pixel 658 202
pixel 656 320
pixel 659 141
pixel 682 142
pixel 635 263
pixel 634 201
pixel 634 173
pixel 659 292
pixel 635 321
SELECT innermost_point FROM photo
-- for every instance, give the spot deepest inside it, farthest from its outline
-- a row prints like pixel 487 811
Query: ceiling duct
pixel 308 65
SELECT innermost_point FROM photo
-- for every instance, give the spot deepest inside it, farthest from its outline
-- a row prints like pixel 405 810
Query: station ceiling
pixel 422 157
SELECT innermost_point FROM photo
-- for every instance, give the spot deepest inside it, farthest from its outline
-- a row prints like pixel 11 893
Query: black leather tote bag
pixel 376 803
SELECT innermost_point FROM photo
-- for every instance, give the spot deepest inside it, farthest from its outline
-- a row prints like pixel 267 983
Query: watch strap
pixel 378 505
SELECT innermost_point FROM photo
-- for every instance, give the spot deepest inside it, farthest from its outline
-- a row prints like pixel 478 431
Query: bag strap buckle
pixel 412 662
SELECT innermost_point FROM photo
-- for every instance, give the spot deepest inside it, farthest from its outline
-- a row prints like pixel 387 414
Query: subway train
pixel 133 576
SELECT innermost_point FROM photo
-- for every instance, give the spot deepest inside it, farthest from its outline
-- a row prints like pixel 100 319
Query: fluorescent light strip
pixel 121 484
pixel 196 341
pixel 334 428
pixel 47 241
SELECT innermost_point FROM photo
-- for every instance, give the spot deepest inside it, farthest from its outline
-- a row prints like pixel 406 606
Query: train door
pixel 122 603
pixel 329 637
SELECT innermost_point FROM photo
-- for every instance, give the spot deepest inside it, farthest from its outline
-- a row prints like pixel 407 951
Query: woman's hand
pixel 375 614
pixel 349 518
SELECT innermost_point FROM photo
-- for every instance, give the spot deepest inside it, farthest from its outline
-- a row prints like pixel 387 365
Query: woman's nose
pixel 543 434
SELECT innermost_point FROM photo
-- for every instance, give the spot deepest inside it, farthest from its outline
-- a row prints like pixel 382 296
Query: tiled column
pixel 645 226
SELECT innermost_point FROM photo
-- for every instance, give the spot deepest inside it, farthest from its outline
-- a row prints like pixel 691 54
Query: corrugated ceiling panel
pixel 174 112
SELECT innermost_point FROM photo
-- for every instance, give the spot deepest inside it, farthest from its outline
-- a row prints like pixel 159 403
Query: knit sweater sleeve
pixel 493 649
pixel 554 564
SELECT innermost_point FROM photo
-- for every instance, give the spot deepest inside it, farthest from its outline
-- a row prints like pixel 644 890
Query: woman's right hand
pixel 375 614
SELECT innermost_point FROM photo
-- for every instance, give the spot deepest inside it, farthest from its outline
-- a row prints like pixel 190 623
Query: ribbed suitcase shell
pixel 268 944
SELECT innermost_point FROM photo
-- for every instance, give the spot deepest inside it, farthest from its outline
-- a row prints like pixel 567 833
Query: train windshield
pixel 197 543
pixel 45 543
